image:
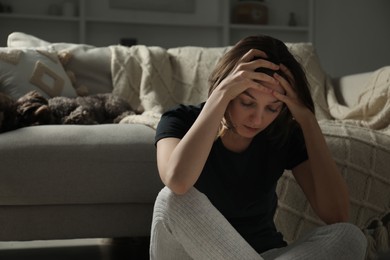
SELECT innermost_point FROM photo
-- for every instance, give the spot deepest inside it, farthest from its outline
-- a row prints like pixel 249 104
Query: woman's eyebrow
pixel 249 95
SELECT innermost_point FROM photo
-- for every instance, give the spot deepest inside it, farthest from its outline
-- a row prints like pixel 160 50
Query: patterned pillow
pixel 91 65
pixel 23 70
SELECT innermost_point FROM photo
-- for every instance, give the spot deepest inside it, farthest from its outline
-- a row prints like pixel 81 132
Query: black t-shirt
pixel 241 185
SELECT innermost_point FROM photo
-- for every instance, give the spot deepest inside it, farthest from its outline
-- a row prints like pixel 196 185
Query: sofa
pixel 100 181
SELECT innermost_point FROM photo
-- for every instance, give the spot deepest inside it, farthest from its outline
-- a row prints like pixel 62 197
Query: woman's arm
pixel 319 177
pixel 180 161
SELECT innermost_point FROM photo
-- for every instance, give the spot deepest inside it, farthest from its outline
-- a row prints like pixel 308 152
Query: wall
pixel 352 36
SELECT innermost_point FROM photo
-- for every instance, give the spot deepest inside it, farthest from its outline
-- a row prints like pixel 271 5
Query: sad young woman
pixel 220 162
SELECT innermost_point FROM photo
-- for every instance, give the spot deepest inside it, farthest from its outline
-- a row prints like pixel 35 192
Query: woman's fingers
pixel 252 54
pixel 256 59
pixel 288 73
pixel 285 85
pixel 252 60
pixel 284 98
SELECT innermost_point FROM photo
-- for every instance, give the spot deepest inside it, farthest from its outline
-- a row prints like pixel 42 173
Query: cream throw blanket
pixel 154 79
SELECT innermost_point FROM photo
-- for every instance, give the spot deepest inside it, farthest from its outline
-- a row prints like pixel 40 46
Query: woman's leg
pixel 189 227
pixel 338 241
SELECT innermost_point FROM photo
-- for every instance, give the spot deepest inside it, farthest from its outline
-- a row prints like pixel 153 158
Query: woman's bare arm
pixel 320 178
pixel 180 161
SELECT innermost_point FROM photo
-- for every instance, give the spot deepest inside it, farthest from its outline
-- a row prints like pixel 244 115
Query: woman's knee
pixel 161 203
pixel 349 237
pixel 351 233
pixel 168 202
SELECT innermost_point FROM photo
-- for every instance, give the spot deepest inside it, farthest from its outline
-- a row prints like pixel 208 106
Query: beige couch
pixel 60 182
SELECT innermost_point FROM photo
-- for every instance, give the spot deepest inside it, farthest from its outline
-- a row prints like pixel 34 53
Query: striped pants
pixel 189 227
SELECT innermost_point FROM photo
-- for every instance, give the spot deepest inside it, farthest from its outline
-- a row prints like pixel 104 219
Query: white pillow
pixel 23 70
pixel 91 65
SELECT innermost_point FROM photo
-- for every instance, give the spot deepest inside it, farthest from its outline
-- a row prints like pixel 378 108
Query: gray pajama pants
pixel 190 227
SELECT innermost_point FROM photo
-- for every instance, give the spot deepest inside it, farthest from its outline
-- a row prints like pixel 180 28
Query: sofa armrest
pixel 348 88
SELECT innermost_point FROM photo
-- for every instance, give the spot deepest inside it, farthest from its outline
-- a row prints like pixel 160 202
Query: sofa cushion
pixel 90 64
pixel 372 105
pixel 23 70
pixel 76 164
pixel 348 88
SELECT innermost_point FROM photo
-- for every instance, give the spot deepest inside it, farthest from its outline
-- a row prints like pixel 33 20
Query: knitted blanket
pixel 363 156
pixel 154 79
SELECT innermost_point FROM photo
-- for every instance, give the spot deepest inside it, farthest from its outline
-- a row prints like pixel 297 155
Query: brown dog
pixel 34 109
pixel 7 113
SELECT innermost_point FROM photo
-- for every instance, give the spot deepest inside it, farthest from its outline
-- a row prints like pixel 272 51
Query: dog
pixel 34 109
pixel 7 113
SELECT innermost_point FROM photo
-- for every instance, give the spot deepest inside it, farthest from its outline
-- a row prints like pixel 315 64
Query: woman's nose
pixel 257 117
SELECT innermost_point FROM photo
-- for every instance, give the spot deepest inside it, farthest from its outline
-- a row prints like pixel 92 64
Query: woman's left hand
pixel 298 110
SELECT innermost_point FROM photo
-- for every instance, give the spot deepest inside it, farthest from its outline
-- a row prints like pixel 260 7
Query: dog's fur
pixel 34 109
pixel 7 113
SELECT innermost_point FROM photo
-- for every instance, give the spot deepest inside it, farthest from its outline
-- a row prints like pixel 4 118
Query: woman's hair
pixel 277 53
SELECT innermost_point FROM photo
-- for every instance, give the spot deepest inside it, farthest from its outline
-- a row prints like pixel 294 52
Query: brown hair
pixel 277 53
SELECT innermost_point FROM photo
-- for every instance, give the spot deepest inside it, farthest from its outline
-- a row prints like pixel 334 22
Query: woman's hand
pixel 298 110
pixel 243 75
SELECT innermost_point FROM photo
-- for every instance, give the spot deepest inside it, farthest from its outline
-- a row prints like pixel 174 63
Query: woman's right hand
pixel 243 75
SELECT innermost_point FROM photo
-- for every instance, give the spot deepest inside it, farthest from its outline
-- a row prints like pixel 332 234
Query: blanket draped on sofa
pixel 154 79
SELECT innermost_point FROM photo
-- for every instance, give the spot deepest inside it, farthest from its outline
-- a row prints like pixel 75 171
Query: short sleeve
pixel 177 121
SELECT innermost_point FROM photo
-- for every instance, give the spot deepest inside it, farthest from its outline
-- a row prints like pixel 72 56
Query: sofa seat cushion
pixel 74 164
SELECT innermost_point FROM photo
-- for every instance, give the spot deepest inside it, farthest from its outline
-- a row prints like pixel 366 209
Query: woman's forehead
pixel 275 87
pixel 258 95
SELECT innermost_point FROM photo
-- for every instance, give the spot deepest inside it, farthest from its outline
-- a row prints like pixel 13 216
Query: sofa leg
pixel 126 247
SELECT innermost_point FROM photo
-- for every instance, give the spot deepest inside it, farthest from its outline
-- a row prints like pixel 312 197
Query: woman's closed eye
pixel 274 109
pixel 247 103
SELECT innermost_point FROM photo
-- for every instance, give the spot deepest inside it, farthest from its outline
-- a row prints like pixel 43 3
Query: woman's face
pixel 253 110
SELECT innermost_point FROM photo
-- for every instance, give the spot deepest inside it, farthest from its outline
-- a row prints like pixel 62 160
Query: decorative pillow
pixel 91 65
pixel 23 70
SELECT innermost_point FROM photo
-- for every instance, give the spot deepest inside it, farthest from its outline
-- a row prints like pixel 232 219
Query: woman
pixel 221 160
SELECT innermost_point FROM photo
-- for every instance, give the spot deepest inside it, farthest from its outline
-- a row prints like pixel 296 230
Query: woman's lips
pixel 252 129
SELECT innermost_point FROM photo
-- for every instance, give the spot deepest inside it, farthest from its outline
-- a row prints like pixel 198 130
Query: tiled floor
pixel 80 249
